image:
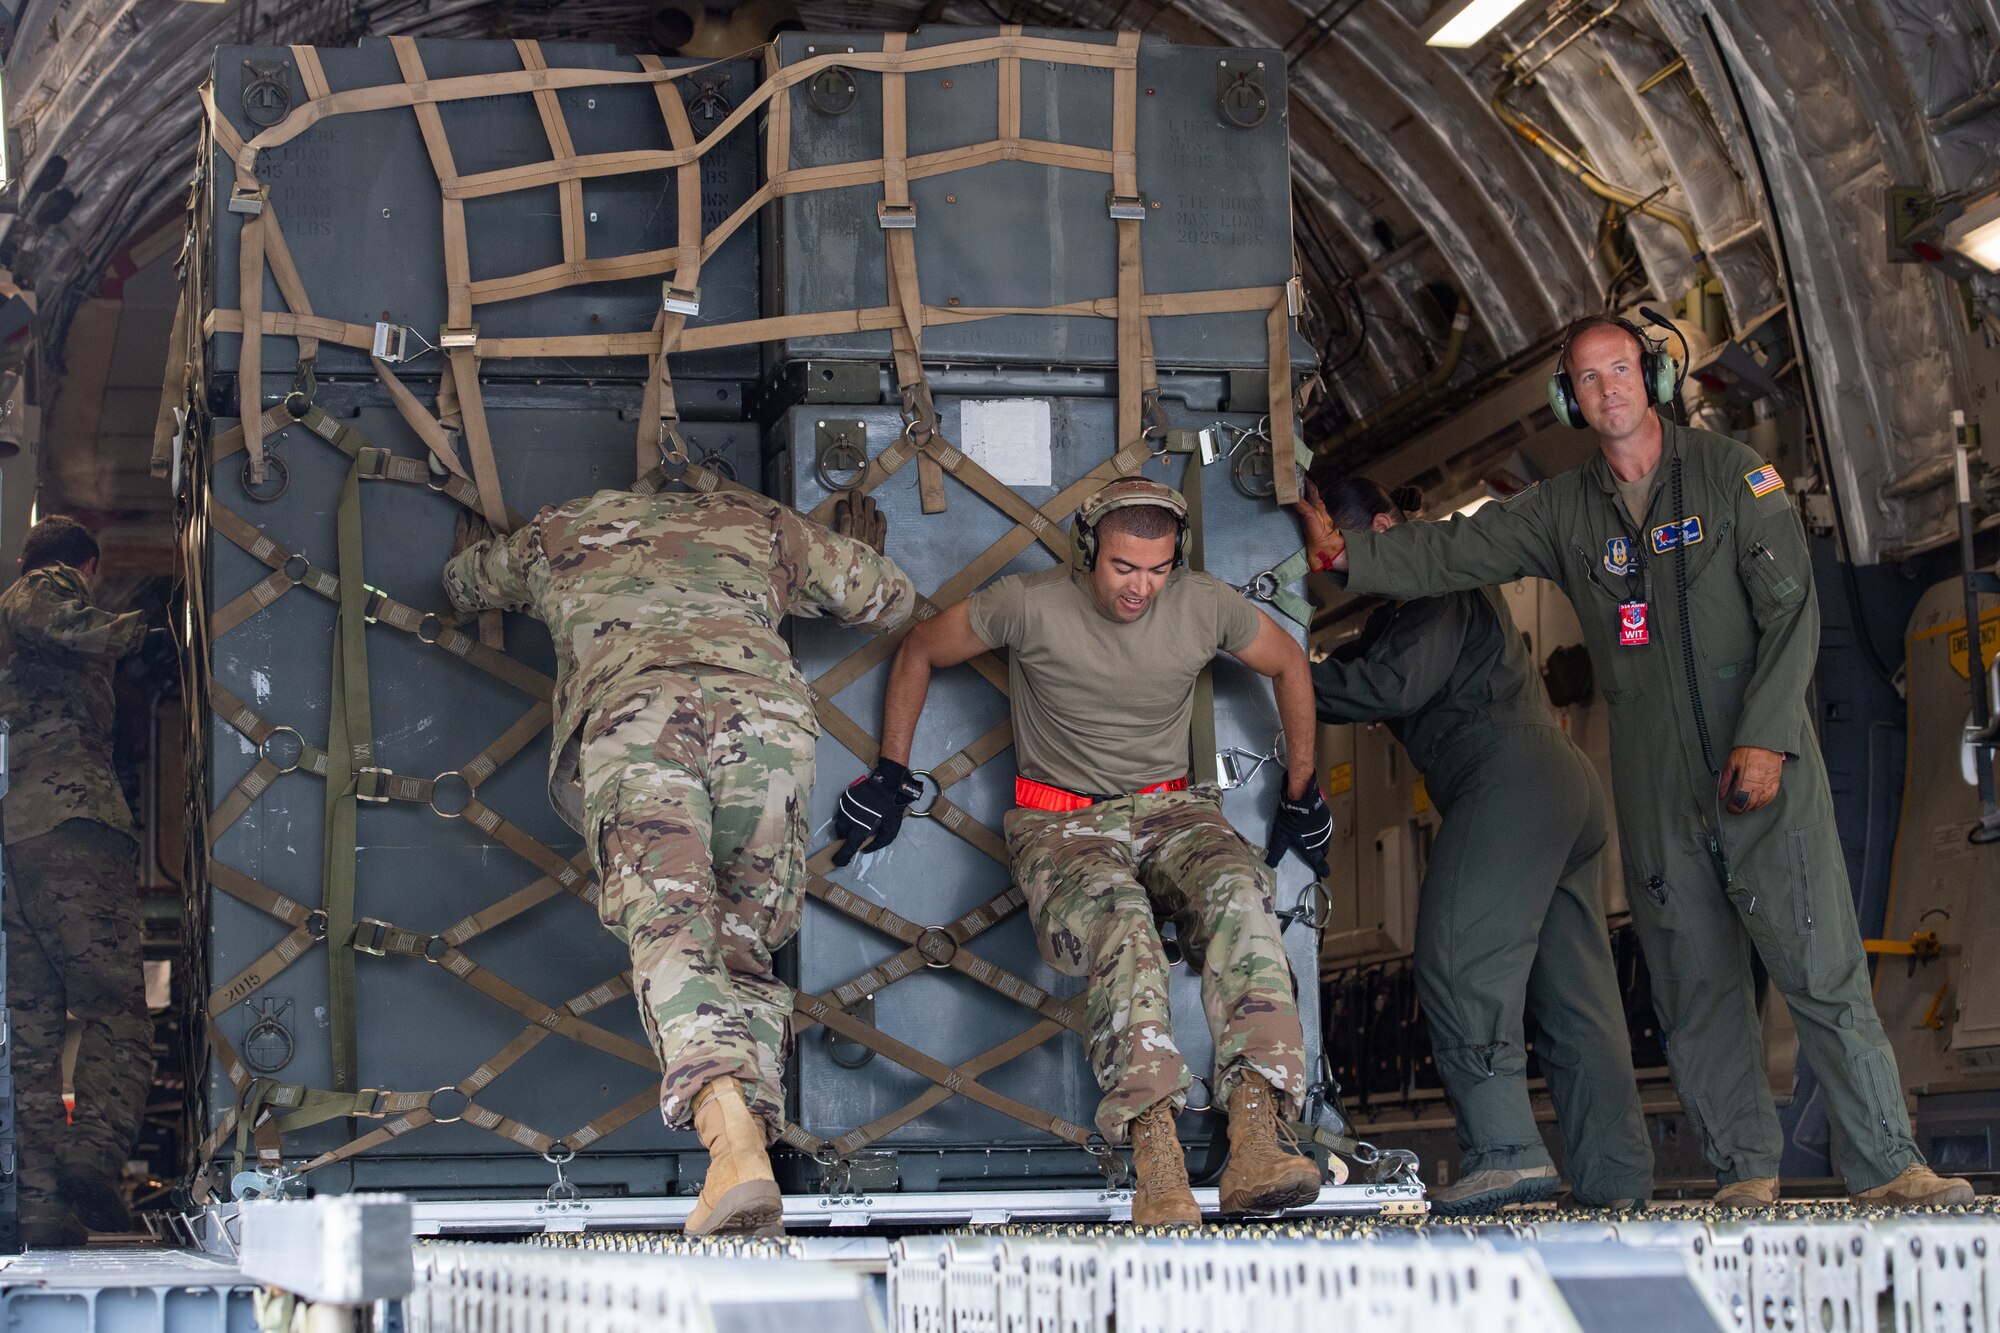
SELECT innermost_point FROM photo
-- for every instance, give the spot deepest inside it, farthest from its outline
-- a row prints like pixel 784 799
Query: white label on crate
pixel 1009 437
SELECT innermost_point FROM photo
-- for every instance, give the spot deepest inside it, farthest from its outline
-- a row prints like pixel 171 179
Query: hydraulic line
pixel 1436 379
pixel 1572 162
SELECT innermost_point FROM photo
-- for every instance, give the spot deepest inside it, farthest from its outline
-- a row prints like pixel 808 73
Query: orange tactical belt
pixel 1032 795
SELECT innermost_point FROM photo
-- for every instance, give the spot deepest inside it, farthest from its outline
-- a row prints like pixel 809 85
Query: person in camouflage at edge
pixel 683 725
pixel 1104 660
pixel 71 904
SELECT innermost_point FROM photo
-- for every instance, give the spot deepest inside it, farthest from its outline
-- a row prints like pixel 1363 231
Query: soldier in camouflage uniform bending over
pixel 72 906
pixel 1104 660
pixel 682 715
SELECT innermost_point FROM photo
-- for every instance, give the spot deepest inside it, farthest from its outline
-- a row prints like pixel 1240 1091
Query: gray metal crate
pixel 1024 234
pixel 359 204
pixel 419 1028
pixel 125 1291
pixel 931 876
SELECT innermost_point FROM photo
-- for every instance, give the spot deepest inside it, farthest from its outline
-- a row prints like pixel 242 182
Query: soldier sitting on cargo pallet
pixel 72 902
pixel 1105 657
pixel 683 751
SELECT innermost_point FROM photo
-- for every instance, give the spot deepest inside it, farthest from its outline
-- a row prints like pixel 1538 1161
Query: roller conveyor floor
pixel 1805 1265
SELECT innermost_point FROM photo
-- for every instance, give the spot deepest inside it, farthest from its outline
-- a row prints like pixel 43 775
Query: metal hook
pixel 558 1156
pixel 1263 588
pixel 836 1171
pixel 1117 1175
pixel 1231 776
pixel 1314 906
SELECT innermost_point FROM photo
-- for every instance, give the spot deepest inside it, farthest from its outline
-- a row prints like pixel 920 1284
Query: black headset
pixel 1656 369
pixel 1125 494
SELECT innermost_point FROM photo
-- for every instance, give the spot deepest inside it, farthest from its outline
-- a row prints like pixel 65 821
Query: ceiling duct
pixel 713 33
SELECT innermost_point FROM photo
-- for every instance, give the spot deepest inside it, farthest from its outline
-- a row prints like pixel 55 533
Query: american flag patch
pixel 1764 480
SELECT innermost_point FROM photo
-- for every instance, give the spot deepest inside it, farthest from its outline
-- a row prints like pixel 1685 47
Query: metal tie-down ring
pixel 924 775
pixel 936 947
pixel 833 91
pixel 837 459
pixel 274 468
pixel 264 749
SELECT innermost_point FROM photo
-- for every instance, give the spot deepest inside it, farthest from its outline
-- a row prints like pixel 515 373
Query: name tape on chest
pixel 1764 480
pixel 1680 532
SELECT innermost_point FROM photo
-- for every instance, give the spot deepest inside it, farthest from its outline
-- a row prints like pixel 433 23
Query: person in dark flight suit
pixel 1510 912
pixel 1692 579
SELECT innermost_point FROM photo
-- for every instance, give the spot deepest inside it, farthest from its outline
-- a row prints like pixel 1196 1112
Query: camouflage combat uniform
pixel 1103 706
pixel 684 743
pixel 1095 881
pixel 71 906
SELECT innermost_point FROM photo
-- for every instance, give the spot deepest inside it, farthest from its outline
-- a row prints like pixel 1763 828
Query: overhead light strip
pixel 1460 23
pixel 1975 233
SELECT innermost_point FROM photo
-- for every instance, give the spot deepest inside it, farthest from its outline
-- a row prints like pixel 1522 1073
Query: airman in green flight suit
pixel 1691 576
pixel 1511 914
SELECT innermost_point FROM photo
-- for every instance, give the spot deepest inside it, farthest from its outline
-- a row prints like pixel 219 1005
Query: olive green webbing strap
pixel 1281 578
pixel 1275 585
pixel 350 749
pixel 262 1101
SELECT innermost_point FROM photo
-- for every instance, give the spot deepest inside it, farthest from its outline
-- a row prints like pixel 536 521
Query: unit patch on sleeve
pixel 1680 532
pixel 1764 480
pixel 1618 556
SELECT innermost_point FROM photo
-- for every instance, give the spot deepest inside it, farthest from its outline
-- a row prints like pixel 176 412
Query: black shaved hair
pixel 58 540
pixel 1146 522
pixel 1353 502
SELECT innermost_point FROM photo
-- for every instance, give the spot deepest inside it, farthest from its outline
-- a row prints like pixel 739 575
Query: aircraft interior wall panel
pixel 1943 1014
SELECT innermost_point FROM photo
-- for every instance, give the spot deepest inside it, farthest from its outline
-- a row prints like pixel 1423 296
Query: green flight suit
pixel 1511 910
pixel 1774 879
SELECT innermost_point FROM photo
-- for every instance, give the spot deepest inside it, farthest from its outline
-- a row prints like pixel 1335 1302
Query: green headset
pixel 1123 495
pixel 1656 370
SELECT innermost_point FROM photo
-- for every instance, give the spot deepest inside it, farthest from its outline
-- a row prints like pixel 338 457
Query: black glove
pixel 1305 826
pixel 871 810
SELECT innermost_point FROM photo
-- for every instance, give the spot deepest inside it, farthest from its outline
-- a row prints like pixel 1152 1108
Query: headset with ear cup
pixel 1126 494
pixel 1656 371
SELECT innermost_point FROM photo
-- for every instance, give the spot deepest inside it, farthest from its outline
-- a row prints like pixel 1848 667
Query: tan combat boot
pixel 740 1195
pixel 1491 1190
pixel 1756 1192
pixel 1918 1187
pixel 1263 1177
pixel 1161 1198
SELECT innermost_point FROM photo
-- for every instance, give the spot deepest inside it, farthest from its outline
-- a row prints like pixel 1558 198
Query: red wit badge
pixel 1632 632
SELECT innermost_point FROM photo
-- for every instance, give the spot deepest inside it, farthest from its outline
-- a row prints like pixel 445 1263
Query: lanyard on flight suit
pixel 1638 586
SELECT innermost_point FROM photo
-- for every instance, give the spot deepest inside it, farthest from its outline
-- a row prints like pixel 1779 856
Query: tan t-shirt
pixel 1637 495
pixel 1102 706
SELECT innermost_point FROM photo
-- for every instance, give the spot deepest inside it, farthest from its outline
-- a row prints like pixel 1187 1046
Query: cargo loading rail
pixel 217 1226
pixel 1829 1267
